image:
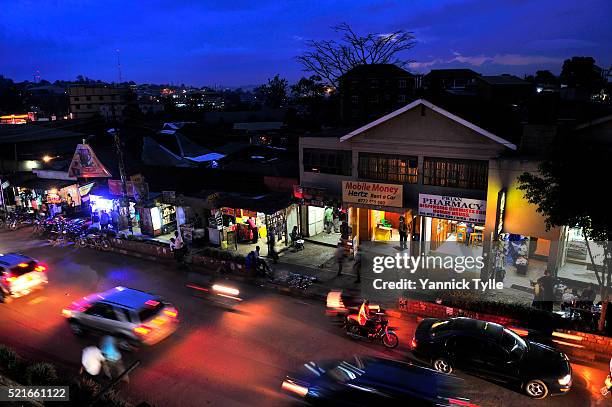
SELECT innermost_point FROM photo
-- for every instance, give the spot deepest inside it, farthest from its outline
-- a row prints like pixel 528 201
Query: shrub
pixel 41 374
pixel 9 360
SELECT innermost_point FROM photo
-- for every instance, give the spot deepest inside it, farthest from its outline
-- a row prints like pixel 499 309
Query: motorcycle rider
pixel 364 318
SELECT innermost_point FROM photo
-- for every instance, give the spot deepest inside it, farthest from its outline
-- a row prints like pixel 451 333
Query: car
pixel 20 275
pixel 372 381
pixel 134 317
pixel 494 352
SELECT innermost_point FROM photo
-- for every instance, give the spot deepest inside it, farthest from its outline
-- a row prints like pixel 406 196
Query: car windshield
pixel 150 309
pixel 513 343
pixel 344 372
pixel 23 268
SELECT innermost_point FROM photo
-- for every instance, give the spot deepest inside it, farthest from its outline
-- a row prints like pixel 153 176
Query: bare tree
pixel 331 59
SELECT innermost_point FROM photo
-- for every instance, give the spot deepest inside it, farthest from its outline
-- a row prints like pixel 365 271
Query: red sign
pixel 85 164
pixel 115 187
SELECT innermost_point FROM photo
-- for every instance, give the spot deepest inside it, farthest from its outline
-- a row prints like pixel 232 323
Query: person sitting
pixel 296 239
pixel 569 298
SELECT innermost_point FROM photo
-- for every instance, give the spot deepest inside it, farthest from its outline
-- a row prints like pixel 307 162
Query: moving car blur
pixel 20 275
pixel 134 317
pixel 372 381
pixel 491 351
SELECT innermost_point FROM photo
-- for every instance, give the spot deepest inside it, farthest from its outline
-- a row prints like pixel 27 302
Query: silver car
pixel 20 275
pixel 134 317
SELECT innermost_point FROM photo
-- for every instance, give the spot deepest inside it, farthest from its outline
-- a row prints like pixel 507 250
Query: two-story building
pixel 451 179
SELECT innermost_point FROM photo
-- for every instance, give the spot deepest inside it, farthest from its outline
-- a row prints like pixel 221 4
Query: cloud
pixel 479 60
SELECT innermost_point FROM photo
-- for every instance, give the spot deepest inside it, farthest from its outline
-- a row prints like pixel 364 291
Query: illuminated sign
pixel 85 164
pixel 453 208
pixel 372 193
pixel 500 212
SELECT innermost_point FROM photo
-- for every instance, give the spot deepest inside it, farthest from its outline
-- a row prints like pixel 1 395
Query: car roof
pixel 127 297
pixel 404 377
pixel 478 327
pixel 12 259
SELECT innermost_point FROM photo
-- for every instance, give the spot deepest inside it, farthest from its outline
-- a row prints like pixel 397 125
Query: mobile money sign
pixel 453 208
pixel 372 193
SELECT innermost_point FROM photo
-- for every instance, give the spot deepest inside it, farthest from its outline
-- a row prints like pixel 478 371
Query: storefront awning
pixel 45 184
pixel 267 203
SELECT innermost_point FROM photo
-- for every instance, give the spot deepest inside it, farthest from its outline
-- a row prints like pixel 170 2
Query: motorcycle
pixel 376 329
pixel 93 240
pixel 216 290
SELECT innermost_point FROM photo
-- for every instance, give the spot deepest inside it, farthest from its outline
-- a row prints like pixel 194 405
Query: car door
pixel 500 365
pixel 101 317
pixel 467 353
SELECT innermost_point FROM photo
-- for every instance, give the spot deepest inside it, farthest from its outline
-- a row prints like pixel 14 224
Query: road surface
pixel 217 357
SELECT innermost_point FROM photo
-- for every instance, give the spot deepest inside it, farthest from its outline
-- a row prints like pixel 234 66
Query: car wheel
pixel 536 389
pixel 77 328
pixel 442 365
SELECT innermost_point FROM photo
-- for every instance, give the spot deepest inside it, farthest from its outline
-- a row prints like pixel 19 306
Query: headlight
pixel 565 380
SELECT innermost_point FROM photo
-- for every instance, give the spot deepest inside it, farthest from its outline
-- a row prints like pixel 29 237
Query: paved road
pixel 217 357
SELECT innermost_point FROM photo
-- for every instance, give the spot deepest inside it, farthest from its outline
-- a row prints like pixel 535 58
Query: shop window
pixel 387 167
pixel 469 174
pixel 336 162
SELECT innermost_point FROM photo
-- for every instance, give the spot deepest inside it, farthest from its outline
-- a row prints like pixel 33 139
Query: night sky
pixel 243 42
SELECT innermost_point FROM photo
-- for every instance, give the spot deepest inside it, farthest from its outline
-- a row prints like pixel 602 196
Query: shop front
pixel 47 196
pixel 320 214
pixel 241 222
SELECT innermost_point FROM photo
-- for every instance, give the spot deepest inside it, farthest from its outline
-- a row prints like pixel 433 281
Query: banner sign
pixel 116 188
pixel 453 208
pixel 372 193
pixel 85 164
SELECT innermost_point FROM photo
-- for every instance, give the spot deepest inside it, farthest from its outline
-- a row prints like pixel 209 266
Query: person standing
pixel 546 284
pixel 403 233
pixel 115 219
pixel 357 264
pixel 340 258
pixel 104 220
pixel 328 219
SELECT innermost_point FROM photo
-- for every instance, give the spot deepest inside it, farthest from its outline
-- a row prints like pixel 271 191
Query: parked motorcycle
pixel 96 241
pixel 376 329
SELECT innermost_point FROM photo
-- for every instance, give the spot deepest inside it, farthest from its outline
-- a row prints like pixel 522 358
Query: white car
pixel 20 275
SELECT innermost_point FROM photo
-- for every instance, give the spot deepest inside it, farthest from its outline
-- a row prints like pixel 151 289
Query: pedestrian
pixel 340 257
pixel 357 264
pixel 345 231
pixel 104 220
pixel 272 246
pixel 546 285
pixel 92 360
pixel 115 219
pixel 254 232
pixel 328 218
pixel 336 219
pixel 176 252
pixel 113 366
pixel 403 233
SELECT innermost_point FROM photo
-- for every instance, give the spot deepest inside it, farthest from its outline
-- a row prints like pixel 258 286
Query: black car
pixel 369 381
pixel 493 352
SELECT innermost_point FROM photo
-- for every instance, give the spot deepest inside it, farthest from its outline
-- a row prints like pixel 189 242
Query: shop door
pixel 315 220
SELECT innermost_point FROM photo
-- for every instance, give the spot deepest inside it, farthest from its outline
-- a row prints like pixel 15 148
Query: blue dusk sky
pixel 244 42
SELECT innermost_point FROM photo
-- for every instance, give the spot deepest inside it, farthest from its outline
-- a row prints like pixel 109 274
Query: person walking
pixel 403 233
pixel 104 220
pixel 340 258
pixel 357 264
pixel 92 360
pixel 546 294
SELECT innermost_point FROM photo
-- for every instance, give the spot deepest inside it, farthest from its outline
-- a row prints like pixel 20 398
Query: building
pixel 438 80
pixel 503 89
pixel 370 91
pixel 453 181
pixel 87 101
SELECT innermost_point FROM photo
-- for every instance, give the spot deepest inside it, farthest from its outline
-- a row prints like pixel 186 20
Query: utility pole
pixel 124 196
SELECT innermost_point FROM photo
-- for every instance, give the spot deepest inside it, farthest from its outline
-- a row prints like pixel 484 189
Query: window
pixel 355 99
pixel 386 167
pixel 374 99
pixel 444 172
pixel 76 99
pixel 102 310
pixel 336 162
pixel 374 83
pixel 401 98
pixel 88 98
pixel 89 106
pixel 402 83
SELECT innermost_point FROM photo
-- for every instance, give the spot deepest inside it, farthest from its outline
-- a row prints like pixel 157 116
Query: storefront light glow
pixel 155 218
pixel 99 203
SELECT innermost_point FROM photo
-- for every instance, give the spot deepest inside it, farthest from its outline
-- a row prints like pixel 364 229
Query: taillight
pixel 40 268
pixel 458 402
pixel 67 313
pixel 171 312
pixel 293 387
pixel 22 265
pixel 142 330
pixel 413 343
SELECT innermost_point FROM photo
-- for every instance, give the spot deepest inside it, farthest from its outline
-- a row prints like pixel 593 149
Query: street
pixel 217 357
